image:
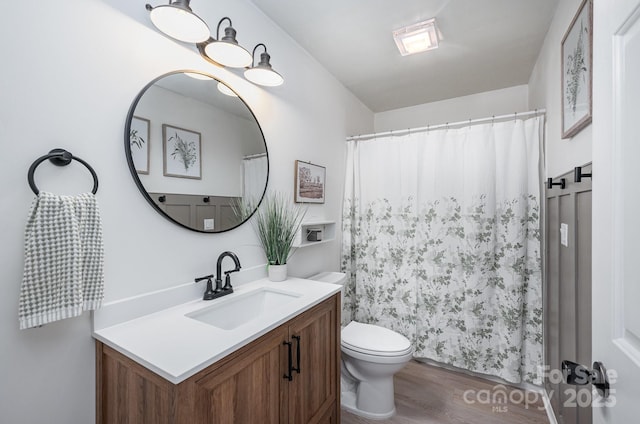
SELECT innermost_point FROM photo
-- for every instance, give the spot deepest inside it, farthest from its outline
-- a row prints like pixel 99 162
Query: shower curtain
pixel 441 243
pixel 254 177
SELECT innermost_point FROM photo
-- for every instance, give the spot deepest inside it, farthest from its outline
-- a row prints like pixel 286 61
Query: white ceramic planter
pixel 277 272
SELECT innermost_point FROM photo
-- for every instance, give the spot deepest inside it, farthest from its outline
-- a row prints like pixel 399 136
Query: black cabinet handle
pixel 297 368
pixel 289 376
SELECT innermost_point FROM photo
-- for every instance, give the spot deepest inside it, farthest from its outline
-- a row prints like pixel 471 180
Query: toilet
pixel 371 355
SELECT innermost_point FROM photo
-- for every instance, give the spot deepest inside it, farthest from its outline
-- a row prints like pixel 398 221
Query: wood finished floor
pixel 431 395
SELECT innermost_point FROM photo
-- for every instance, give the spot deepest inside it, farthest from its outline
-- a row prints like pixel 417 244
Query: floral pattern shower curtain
pixel 441 243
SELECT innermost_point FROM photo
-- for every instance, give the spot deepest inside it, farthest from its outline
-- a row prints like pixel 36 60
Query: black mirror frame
pixel 132 167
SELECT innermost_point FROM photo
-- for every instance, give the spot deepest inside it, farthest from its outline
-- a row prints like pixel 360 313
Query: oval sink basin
pixel 232 312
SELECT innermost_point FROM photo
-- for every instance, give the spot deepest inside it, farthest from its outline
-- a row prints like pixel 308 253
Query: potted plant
pixel 277 222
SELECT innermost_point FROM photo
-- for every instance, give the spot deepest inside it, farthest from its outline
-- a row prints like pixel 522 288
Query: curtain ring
pixel 493 119
pixel 515 115
pixel 446 127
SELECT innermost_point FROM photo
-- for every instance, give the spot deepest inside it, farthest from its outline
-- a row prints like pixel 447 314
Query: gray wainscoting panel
pixel 567 286
pixel 551 304
pixel 191 209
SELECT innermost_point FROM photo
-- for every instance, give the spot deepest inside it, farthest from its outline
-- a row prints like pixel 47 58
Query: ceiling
pixel 486 45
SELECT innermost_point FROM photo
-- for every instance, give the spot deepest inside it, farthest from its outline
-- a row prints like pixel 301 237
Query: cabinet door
pixel 249 388
pixel 128 393
pixel 313 391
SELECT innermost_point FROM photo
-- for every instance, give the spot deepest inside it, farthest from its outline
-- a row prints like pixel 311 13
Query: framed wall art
pixel 577 46
pixel 139 143
pixel 309 182
pixel 181 150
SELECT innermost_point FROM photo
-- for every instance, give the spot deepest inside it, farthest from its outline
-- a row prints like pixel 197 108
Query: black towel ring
pixel 59 157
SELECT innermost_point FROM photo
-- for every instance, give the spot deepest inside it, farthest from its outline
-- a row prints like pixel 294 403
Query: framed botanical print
pixel 139 143
pixel 181 152
pixel 577 46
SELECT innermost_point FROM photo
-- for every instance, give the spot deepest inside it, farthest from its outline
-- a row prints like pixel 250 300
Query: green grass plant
pixel 277 222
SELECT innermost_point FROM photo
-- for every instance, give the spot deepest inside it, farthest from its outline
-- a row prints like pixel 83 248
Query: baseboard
pixel 548 407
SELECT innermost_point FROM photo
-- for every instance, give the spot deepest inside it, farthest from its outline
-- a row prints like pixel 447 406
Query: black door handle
pixel 579 375
pixel 289 376
pixel 297 368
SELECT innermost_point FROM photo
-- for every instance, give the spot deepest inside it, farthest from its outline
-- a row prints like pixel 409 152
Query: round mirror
pixel 196 152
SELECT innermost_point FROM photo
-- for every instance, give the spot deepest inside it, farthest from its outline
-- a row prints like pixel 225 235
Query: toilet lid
pixel 374 339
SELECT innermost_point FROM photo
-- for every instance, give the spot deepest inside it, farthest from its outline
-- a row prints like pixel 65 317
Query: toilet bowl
pixel 371 355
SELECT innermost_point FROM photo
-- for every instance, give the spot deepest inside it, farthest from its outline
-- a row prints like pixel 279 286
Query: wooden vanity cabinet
pixel 245 387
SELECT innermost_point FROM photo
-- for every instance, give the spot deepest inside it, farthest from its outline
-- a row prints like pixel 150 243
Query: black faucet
pixel 227 278
pixel 211 293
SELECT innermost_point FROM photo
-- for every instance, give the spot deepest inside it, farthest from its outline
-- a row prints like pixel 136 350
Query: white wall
pixel 70 71
pixel 481 105
pixel 545 92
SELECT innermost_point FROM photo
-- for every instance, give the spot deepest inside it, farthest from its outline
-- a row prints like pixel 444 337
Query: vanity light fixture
pixel 263 73
pixel 226 51
pixel 417 38
pixel 224 89
pixel 178 21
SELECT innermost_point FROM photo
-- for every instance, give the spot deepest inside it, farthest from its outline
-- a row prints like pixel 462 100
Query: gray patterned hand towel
pixel 63 259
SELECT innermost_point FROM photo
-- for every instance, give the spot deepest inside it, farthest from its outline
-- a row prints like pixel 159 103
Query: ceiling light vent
pixel 417 38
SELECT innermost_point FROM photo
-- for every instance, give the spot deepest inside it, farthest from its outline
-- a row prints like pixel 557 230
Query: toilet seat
pixel 373 340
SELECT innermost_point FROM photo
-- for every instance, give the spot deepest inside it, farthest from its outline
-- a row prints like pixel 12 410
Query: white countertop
pixel 176 347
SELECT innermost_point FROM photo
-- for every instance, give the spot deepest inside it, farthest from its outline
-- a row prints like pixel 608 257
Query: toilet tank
pixel 331 277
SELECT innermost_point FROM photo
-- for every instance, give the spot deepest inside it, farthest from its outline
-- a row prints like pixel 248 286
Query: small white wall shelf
pixel 328 229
